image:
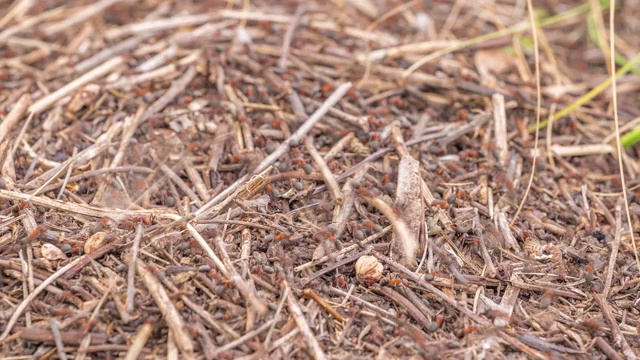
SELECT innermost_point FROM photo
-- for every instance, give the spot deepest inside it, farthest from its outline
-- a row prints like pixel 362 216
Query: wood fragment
pixel 303 326
pixel 330 181
pixel 38 334
pixel 167 308
pixel 139 341
pixel 25 303
pixel 16 114
pixel 618 338
pixel 44 103
pixel 507 235
pixel 277 153
pixel 310 294
pixel 408 202
pixel 500 128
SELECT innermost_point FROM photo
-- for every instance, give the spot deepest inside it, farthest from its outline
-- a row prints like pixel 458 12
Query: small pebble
pixel 66 248
pixel 588 278
pixel 293 143
pixel 374 144
pixel 427 277
pixel 275 192
pixel 432 326
pixel 359 235
pixel 298 186
pixel 355 184
pixel 389 188
pixel 269 237
pixel 170 201
pixel 434 150
pixel 218 315
pixel 269 148
pixel 308 169
pixel 184 246
pixel 204 268
pixel 332 228
pixel 283 166
pixel 122 268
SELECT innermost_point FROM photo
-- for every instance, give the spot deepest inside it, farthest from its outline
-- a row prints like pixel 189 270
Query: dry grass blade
pixel 616 124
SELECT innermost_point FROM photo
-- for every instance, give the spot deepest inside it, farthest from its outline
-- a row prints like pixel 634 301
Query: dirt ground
pixel 317 179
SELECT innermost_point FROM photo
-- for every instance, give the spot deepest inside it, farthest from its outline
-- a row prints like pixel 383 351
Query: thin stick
pixel 82 209
pixel 101 145
pixel 247 291
pixel 177 87
pixel 345 250
pixel 500 126
pixel 244 338
pixel 137 345
pixel 610 352
pixel 66 177
pixel 25 303
pixel 618 337
pixel 288 36
pixel 614 252
pixel 405 303
pixel 55 331
pixel 205 246
pixel 310 294
pixel 276 317
pixel 305 330
pixel 92 75
pixel 159 25
pixel 616 125
pixel 329 179
pixel 131 274
pixel 536 53
pixel 27 285
pixel 16 114
pixel 169 312
pixel 284 146
pixel 80 16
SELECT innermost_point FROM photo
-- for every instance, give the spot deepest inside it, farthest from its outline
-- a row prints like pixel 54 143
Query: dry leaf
pixel 95 242
pixel 51 252
pixel 318 253
pixel 492 62
pixel 83 97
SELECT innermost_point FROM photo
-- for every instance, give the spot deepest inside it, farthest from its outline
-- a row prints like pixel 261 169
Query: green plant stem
pixel 590 95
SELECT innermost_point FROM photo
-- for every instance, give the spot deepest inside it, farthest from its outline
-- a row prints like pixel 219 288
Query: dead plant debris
pixel 312 179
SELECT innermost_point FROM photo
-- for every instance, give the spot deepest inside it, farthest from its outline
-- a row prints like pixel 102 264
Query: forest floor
pixel 328 179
